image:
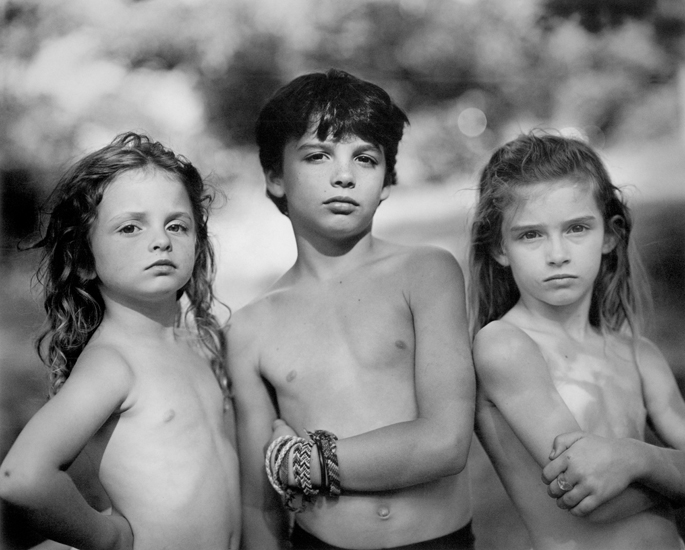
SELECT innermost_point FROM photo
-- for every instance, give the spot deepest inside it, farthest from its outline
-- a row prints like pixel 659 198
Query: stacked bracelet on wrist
pixel 276 464
pixel 328 459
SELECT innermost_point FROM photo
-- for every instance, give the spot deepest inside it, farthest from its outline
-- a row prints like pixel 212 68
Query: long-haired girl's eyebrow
pixel 528 227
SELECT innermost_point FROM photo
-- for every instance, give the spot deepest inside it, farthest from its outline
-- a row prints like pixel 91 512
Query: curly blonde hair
pixel 72 299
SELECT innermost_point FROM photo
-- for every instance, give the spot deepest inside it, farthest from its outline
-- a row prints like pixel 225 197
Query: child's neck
pixel 573 320
pixel 147 320
pixel 325 258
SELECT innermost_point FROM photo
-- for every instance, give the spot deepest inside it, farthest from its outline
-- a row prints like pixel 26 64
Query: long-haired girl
pixel 556 312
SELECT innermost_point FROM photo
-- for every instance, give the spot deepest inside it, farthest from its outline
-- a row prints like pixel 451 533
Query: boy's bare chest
pixel 601 386
pixel 339 331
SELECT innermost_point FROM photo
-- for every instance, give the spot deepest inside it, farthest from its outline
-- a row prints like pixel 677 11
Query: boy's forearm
pixel 401 455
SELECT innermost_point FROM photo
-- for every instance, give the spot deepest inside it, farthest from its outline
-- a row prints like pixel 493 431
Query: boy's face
pixel 554 240
pixel 143 239
pixel 332 187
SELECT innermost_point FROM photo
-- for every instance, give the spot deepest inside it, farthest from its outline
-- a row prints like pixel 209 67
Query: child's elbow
pixel 18 486
pixel 454 455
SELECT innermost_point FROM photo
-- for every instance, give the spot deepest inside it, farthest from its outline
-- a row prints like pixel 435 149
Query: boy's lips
pixel 341 199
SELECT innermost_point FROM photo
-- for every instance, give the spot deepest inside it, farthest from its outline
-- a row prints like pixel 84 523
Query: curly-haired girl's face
pixel 143 239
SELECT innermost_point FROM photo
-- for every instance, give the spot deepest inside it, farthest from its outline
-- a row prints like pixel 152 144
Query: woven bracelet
pixel 326 444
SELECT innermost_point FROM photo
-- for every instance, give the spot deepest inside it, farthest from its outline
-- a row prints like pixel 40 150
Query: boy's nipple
pixel 169 415
pixel 383 511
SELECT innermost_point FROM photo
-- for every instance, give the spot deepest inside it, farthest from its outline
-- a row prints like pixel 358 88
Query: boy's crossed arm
pixel 605 467
pixel 437 442
pixel 265 521
pixel 514 376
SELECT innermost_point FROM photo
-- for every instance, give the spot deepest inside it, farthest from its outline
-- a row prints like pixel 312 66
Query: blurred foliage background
pixel 471 74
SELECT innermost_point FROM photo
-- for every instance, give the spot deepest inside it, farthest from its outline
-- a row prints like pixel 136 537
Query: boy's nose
pixel 343 176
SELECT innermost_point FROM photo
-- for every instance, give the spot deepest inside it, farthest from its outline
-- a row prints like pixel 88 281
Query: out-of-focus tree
pixel 660 22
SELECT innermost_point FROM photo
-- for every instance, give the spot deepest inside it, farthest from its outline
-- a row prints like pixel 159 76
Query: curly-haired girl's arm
pixel 33 475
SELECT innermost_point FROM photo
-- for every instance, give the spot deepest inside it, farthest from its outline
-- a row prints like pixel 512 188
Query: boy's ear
pixel 274 183
pixel 385 192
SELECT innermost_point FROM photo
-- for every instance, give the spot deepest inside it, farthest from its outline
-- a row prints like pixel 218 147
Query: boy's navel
pixel 383 512
pixel 169 415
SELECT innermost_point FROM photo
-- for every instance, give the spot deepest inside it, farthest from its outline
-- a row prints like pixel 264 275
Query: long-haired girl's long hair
pixel 618 296
pixel 72 299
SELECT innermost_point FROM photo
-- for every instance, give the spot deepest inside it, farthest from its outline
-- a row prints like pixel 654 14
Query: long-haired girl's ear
pixel 274 183
pixel 500 256
pixel 616 225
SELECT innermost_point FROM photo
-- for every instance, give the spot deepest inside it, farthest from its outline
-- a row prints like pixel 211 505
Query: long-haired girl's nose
pixel 557 252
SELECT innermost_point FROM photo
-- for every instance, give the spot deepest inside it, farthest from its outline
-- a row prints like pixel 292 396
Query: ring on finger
pixel 563 484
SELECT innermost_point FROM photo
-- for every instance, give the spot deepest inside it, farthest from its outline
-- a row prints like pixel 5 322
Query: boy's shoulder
pixel 419 260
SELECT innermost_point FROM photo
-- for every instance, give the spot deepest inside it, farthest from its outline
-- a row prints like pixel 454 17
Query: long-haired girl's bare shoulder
pixel 500 344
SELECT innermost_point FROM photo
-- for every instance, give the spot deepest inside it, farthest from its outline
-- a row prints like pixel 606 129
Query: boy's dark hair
pixel 336 104
pixel 618 294
pixel 72 298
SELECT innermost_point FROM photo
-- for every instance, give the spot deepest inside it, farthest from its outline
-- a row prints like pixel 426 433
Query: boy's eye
pixel 528 235
pixel 577 228
pixel 315 156
pixel 366 159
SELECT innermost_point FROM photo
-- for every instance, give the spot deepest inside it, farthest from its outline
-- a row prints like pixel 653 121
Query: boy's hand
pixel 587 471
pixel 280 428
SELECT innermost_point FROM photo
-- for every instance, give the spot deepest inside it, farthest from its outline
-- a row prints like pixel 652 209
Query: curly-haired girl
pixel 136 357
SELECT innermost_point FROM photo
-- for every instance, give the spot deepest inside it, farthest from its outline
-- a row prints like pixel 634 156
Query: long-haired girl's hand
pixel 587 471
pixel 125 539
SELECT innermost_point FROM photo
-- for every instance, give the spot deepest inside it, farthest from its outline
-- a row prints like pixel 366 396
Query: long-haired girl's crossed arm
pixel 606 467
pixel 33 475
pixel 513 377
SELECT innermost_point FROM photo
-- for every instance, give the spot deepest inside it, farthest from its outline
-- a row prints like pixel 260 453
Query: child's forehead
pixel 154 186
pixel 311 136
pixel 561 195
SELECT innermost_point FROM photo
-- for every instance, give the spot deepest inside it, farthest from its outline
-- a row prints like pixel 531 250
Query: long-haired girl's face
pixel 553 240
pixel 143 238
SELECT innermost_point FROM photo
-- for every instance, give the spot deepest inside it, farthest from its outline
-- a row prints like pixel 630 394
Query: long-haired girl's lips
pixel 164 263
pixel 560 277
